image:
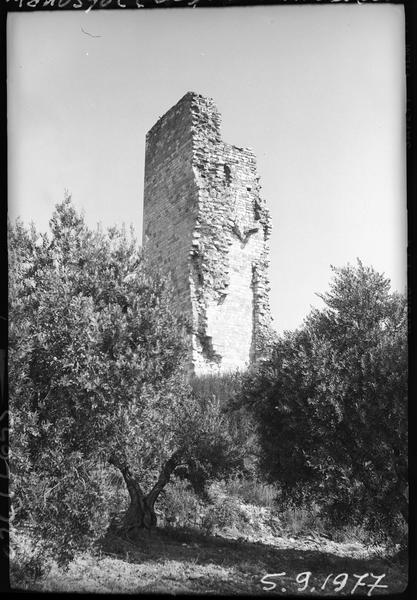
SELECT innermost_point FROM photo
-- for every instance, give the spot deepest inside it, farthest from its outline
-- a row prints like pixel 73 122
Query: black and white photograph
pixel 207 299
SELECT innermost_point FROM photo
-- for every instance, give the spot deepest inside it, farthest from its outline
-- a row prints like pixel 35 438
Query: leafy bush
pixel 296 520
pixel 224 390
pixel 180 506
pixel 224 512
pixel 29 559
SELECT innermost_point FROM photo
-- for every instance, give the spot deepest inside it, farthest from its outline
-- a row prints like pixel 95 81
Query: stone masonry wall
pixel 206 224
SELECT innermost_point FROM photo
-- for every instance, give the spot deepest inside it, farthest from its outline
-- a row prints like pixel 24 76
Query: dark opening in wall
pixel 257 209
pixel 227 174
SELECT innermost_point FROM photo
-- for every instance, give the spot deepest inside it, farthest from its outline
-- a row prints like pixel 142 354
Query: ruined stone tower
pixel 207 225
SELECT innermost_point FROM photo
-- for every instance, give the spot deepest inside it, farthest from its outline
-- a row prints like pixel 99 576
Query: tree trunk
pixel 140 515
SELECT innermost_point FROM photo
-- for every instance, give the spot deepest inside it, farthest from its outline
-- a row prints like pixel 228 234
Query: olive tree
pixel 96 376
pixel 331 404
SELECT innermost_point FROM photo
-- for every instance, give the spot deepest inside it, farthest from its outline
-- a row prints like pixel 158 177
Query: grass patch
pixel 223 387
pixel 251 491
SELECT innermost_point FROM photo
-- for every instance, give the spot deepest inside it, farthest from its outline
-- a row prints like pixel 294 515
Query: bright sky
pixel 317 91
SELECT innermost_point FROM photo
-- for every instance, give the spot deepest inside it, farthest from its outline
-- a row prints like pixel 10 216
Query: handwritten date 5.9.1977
pixel 333 582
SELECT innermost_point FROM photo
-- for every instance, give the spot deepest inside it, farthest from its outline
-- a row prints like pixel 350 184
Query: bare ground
pixel 180 561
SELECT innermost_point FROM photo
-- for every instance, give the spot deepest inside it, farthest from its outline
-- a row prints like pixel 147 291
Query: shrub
pixel 29 559
pixel 224 512
pixel 224 390
pixel 180 506
pixel 251 491
pixel 296 520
